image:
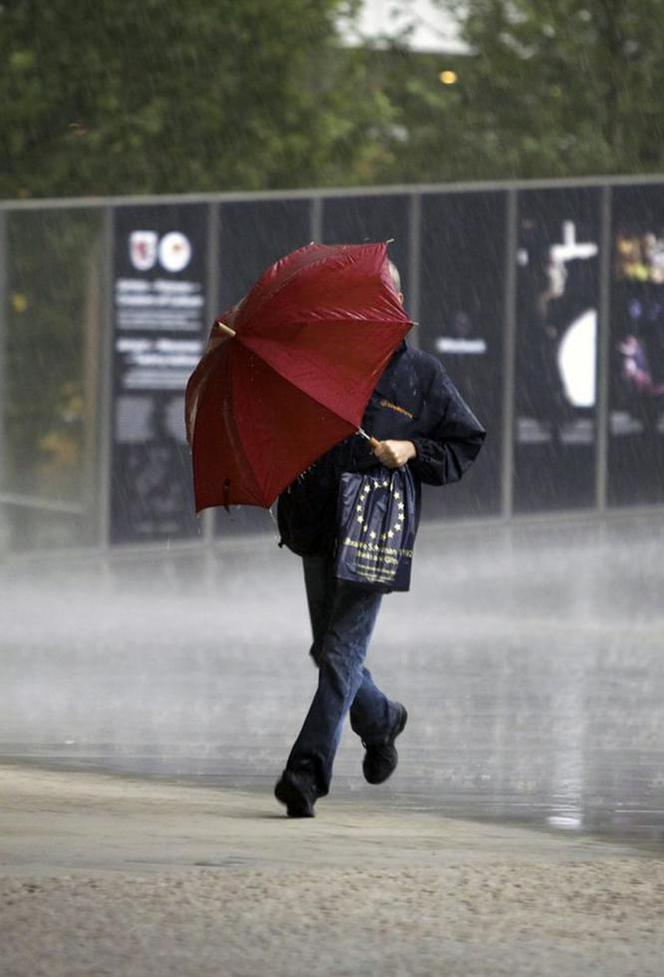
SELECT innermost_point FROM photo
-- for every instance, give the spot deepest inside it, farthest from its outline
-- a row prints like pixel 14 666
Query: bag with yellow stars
pixel 376 519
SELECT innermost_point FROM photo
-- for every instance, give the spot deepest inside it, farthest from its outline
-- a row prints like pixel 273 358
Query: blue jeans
pixel 343 616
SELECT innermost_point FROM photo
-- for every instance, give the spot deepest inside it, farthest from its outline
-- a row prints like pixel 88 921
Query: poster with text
pixel 159 321
pixel 461 315
pixel 557 305
pixel 252 235
pixel 636 378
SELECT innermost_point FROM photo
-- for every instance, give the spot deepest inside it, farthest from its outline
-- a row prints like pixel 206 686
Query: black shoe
pixel 381 758
pixel 297 793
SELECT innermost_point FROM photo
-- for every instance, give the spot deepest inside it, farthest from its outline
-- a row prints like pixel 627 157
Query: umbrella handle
pixel 372 441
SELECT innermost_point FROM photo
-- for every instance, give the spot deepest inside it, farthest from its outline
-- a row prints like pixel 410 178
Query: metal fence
pixel 545 301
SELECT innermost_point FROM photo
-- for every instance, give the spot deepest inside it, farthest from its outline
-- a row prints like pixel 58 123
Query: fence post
pixel 214 218
pixel 4 298
pixel 414 270
pixel 105 386
pixel 509 353
pixel 316 218
pixel 603 354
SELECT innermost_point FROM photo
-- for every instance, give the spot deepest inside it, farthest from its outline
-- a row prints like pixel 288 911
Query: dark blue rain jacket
pixel 414 400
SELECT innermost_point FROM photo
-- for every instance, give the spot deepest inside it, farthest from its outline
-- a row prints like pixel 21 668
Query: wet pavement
pixel 530 658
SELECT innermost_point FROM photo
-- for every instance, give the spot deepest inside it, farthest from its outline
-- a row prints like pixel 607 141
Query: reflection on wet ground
pixel 530 658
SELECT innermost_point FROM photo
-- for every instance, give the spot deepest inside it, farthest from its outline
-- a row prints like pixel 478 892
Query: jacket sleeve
pixel 456 435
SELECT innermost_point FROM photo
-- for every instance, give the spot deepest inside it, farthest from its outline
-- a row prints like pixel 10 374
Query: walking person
pixel 418 419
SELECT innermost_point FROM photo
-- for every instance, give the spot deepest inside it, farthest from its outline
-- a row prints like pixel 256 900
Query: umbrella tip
pixel 224 328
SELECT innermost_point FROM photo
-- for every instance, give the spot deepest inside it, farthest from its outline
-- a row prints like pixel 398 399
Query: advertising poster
pixel 636 379
pixel 353 220
pixel 556 349
pixel 461 314
pixel 159 321
pixel 252 235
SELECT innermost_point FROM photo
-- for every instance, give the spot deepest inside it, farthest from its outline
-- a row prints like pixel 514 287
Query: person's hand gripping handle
pixel 393 454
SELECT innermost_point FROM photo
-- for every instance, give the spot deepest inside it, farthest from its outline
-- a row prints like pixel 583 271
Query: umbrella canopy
pixel 291 372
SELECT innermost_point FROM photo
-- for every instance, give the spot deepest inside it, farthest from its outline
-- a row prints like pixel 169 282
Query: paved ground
pixel 108 875
pixel 147 703
pixel 530 659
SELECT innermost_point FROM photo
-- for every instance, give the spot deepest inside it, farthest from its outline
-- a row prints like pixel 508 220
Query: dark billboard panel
pixel 252 235
pixel 462 299
pixel 384 217
pixel 159 321
pixel 557 304
pixel 636 378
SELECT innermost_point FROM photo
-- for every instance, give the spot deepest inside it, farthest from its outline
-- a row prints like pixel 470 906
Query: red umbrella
pixel 289 371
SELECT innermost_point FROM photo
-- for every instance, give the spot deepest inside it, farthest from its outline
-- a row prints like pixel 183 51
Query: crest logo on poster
pixel 173 250
pixel 143 249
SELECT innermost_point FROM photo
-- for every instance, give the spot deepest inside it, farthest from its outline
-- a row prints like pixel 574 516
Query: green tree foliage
pixel 122 97
pixel 548 88
pixel 51 270
pixel 569 86
pixel 208 95
pixel 429 140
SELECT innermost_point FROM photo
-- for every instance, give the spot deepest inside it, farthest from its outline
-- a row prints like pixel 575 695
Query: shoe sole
pixel 402 724
pixel 296 805
pixel 399 730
